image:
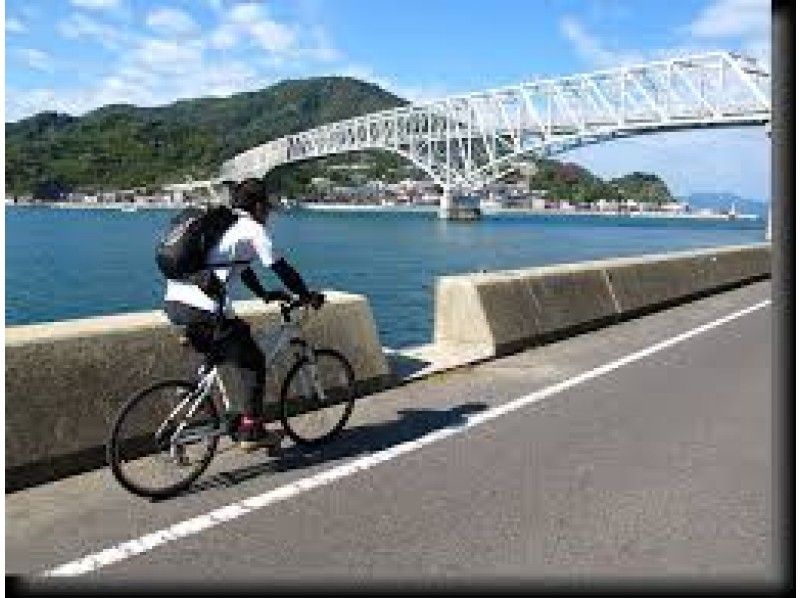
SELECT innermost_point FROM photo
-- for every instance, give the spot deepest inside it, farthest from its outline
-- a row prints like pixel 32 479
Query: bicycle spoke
pixel 317 397
pixel 187 429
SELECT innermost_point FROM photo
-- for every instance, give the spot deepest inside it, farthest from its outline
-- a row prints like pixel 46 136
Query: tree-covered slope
pixel 121 146
pixel 572 182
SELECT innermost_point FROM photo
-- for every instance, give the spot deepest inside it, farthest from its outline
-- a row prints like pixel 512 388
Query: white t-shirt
pixel 243 242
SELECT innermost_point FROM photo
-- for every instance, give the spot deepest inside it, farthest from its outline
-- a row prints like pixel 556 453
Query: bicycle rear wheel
pixel 144 452
pixel 317 397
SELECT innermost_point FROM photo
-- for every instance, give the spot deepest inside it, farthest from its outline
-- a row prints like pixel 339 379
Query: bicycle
pixel 319 385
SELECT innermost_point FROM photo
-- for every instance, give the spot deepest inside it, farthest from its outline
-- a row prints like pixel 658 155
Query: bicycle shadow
pixel 367 438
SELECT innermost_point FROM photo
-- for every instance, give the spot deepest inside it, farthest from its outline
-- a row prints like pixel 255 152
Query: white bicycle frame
pixel 272 341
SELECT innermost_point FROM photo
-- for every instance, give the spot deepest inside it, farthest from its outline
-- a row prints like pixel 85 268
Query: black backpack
pixel 183 249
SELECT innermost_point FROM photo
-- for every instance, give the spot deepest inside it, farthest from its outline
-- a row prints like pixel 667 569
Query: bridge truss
pixel 467 141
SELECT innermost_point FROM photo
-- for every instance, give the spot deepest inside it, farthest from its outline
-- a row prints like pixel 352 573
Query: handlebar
pixel 287 307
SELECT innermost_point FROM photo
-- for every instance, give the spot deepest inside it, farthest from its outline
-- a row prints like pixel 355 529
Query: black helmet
pixel 248 193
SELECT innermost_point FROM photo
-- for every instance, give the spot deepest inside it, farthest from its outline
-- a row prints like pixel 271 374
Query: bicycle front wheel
pixel 155 449
pixel 317 397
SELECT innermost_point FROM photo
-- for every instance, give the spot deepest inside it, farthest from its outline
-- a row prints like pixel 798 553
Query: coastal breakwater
pixel 65 380
pixel 496 313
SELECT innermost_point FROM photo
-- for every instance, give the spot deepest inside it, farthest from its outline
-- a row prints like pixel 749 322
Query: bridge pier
pixel 445 204
pixel 458 208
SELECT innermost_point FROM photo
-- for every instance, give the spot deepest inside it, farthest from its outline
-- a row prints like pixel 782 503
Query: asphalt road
pixel 658 466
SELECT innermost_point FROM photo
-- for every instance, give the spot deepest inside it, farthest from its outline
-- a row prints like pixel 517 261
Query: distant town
pixel 411 194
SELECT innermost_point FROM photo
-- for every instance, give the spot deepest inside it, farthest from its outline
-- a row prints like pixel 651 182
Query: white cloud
pixel 739 25
pixel 729 21
pixel 724 18
pixel 590 48
pixel 250 22
pixel 15 25
pixel 272 36
pixel 166 56
pixel 247 12
pixel 36 59
pixel 79 25
pixel 170 20
pixel 151 70
pixel 593 51
pixel 96 4
pixel 223 38
pixel 139 85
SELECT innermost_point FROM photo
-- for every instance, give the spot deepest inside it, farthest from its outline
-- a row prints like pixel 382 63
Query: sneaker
pixel 252 435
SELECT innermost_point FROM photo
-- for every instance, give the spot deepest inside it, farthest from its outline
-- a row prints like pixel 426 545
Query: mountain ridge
pixel 122 145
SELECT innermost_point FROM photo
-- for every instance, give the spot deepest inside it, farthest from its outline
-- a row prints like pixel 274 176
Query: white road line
pixel 238 509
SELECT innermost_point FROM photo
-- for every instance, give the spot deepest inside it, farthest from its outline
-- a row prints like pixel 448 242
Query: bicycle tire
pixel 140 443
pixel 289 404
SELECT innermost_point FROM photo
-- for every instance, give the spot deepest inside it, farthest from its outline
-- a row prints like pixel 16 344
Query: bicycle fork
pixel 309 375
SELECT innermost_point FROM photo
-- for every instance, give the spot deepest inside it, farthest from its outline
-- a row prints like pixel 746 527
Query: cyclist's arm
pixel 252 282
pixel 262 244
pixel 290 278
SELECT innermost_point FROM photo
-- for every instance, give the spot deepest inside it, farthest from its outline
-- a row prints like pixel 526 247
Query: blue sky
pixel 75 55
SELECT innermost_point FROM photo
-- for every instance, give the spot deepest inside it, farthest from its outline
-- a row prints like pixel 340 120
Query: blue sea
pixel 64 264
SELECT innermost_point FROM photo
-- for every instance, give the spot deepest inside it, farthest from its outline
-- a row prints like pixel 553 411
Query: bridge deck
pixel 659 467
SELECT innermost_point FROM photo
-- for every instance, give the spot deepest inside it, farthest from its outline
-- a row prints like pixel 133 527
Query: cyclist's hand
pixel 278 296
pixel 315 299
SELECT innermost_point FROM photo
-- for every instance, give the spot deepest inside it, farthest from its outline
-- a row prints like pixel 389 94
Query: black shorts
pixel 228 339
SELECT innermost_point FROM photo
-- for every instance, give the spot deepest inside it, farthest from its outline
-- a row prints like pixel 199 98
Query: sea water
pixel 64 264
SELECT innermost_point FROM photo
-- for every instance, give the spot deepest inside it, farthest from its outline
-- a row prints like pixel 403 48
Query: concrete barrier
pixel 502 312
pixel 66 380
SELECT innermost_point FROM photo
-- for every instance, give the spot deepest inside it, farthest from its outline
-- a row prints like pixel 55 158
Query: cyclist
pixel 195 305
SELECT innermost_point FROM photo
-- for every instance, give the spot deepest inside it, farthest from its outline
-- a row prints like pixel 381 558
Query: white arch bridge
pixel 467 141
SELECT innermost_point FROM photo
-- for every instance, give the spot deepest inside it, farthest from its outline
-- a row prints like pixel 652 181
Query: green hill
pixel 122 146
pixel 642 187
pixel 571 182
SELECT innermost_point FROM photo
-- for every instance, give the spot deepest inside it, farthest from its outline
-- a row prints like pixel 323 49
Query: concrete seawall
pixel 496 313
pixel 66 380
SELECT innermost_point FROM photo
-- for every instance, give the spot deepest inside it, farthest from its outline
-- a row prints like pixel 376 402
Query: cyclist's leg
pixel 197 325
pixel 241 350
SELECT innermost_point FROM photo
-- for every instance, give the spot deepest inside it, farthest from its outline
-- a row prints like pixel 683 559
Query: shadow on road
pixel 358 440
pixel 403 366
